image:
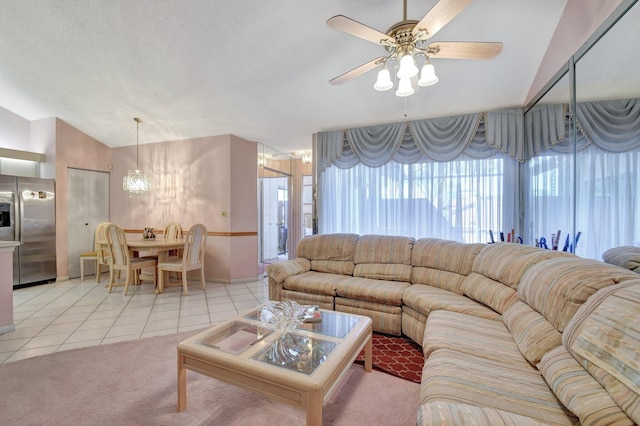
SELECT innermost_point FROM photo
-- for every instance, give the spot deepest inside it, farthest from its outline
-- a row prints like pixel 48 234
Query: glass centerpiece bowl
pixel 284 316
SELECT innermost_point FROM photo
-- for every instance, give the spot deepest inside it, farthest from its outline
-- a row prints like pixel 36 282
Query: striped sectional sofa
pixel 512 335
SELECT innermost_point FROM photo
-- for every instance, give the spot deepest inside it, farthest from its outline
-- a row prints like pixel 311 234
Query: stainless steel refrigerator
pixel 28 215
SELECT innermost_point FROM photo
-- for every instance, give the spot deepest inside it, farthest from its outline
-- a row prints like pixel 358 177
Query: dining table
pixel 155 246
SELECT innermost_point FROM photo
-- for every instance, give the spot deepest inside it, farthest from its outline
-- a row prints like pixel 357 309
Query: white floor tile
pixel 194 320
pixel 13 345
pixel 45 341
pixel 125 330
pixel 72 314
pixel 29 353
pixel 87 335
pixel 59 328
pixel 97 323
pixel 193 310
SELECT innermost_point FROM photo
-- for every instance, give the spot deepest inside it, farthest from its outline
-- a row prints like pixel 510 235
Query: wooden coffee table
pixel 300 368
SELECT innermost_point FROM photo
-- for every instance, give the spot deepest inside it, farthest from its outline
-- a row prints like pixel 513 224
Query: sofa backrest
pixel 557 288
pixel 497 270
pixel 603 337
pixel 330 253
pixel 549 294
pixel 442 263
pixel 627 257
pixel 383 257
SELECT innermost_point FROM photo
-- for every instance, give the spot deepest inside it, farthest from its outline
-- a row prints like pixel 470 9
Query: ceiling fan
pixel 407 39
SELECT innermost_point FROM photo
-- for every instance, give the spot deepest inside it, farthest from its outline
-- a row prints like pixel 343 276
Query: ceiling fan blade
pixel 355 28
pixel 439 16
pixel 464 50
pixel 356 72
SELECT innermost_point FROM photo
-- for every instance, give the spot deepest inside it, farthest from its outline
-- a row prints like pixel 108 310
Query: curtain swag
pixel 611 125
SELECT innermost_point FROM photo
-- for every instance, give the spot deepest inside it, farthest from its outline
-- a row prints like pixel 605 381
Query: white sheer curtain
pixel 607 198
pixel 458 200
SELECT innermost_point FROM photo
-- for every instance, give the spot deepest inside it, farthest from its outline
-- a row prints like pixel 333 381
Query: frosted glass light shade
pixel 136 183
pixel 408 67
pixel 384 80
pixel 404 88
pixel 428 75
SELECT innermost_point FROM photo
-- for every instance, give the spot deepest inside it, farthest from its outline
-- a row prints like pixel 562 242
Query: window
pixel 459 200
pixel 606 204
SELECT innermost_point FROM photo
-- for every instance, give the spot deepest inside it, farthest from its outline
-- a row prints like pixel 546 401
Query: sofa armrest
pixel 278 272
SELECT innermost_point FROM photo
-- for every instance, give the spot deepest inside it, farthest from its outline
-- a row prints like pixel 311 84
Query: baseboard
pixel 7 328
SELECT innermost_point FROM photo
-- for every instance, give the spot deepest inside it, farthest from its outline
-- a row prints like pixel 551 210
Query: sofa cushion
pixel 372 290
pixel 579 391
pixel 558 287
pixel 315 282
pixel 331 253
pixel 533 334
pixel 457 377
pixel 507 262
pixel 476 336
pixel 627 257
pixel 386 318
pixel 383 257
pixel 449 281
pixel 442 263
pixel 424 299
pixel 333 266
pixel 604 336
pixel 440 413
pixel 445 255
pixel 489 292
pixel 323 301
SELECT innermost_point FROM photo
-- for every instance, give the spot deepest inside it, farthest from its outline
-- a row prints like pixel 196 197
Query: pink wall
pixel 77 150
pixel 195 180
pixel 577 23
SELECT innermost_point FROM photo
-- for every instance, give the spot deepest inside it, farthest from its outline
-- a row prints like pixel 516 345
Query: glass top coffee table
pixel 300 368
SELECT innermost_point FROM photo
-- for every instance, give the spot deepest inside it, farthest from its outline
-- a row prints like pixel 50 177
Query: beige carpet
pixel 134 383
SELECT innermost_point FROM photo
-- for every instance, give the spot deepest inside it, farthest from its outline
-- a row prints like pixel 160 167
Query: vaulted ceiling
pixel 255 69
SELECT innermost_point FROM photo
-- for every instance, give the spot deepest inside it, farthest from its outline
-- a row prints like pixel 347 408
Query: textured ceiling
pixel 255 69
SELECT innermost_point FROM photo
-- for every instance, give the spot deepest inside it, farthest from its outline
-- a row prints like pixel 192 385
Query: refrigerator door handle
pixel 21 214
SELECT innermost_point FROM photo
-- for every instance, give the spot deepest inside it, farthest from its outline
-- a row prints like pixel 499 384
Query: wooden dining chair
pixel 121 260
pixel 192 258
pixel 102 253
pixel 173 231
pixel 86 256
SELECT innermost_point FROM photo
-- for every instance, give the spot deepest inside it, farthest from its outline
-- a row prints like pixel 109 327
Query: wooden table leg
pixel 314 408
pixel 368 347
pixel 182 383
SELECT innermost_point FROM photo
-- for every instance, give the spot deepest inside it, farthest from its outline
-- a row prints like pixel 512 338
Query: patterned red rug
pixel 399 356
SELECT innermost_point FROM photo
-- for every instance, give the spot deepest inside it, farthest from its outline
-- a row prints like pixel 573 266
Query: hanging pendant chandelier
pixel 136 182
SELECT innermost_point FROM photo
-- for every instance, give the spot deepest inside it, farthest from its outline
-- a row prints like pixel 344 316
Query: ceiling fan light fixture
pixel 384 80
pixel 404 88
pixel 408 66
pixel 428 75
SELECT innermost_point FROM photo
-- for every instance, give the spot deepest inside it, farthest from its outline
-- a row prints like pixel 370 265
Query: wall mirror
pixel 586 185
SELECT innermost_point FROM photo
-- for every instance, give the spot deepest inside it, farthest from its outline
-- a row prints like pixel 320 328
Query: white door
pixel 87 206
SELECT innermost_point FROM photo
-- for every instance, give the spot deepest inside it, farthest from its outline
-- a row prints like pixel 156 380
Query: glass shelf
pixel 296 352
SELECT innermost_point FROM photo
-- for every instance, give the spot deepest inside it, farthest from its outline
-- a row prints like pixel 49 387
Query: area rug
pixel 399 356
pixel 134 383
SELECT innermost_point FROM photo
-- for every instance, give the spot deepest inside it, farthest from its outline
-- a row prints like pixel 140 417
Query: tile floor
pixel 73 314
